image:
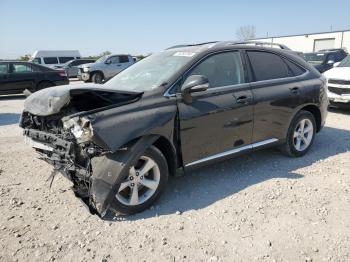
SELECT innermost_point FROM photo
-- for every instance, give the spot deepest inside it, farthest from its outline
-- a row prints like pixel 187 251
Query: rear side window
pixel 22 68
pixel 267 66
pixel 50 60
pixel 65 59
pixel 3 68
pixel 222 69
pixel 295 69
pixel 123 59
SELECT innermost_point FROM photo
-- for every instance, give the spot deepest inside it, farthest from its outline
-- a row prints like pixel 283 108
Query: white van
pixel 53 58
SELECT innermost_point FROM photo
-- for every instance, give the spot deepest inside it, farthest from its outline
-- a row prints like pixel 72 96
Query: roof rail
pixel 261 44
pixel 189 45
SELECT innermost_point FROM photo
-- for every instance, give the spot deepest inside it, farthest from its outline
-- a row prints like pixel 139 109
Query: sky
pixel 143 27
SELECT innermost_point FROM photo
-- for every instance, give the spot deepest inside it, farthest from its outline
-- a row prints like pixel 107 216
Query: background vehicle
pixel 15 77
pixel 177 109
pixel 51 58
pixel 338 83
pixel 325 59
pixel 104 68
pixel 72 68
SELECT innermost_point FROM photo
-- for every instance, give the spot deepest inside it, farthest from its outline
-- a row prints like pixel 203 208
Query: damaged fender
pixel 109 170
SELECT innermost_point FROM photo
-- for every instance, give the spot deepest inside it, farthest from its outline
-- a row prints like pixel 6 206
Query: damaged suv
pixel 173 111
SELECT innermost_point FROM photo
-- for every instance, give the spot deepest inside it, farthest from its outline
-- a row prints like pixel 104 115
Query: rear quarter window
pixel 295 69
pixel 50 60
pixel 267 66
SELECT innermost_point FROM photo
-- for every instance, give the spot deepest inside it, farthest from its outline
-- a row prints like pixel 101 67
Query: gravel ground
pixel 259 207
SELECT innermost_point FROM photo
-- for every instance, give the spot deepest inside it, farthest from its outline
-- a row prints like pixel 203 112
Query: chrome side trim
pixel 233 151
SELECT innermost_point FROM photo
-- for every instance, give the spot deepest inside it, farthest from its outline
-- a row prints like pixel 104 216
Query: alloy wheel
pixel 303 134
pixel 141 183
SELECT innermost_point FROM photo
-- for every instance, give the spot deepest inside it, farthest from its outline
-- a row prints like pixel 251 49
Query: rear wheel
pixel 300 135
pixel 43 85
pixel 145 181
pixel 97 78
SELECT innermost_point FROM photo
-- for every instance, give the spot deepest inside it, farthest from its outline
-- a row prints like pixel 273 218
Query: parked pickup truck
pixel 104 68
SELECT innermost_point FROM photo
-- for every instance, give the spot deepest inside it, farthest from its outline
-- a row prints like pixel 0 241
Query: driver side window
pixel 114 59
pixel 223 69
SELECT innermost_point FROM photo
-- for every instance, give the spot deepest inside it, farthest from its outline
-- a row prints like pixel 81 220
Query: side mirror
pixel 193 84
pixel 336 64
pixel 330 62
pixel 108 62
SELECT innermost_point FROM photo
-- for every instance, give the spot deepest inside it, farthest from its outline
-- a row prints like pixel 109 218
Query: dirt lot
pixel 260 207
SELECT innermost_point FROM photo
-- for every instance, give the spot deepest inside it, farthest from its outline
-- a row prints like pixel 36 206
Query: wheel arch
pixel 315 111
pixel 43 81
pixel 96 71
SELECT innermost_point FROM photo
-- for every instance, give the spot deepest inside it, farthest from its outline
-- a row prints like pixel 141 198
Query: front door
pixel 219 119
pixel 4 78
pixel 22 76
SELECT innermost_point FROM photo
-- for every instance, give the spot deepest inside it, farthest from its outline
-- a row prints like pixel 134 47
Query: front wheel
pixel 97 78
pixel 145 181
pixel 300 135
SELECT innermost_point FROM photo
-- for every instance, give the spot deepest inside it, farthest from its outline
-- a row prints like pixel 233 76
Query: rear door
pixel 219 119
pixel 22 76
pixel 276 93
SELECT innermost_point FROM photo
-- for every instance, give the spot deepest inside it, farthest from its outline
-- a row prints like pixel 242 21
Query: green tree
pixel 25 57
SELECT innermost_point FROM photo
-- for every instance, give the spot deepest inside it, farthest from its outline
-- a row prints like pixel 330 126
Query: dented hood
pixel 51 100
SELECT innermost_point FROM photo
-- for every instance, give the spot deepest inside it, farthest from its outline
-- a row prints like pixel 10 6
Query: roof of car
pixel 219 45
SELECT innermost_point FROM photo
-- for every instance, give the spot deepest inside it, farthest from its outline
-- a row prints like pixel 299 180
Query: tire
pixel 97 78
pixel 158 174
pixel 298 141
pixel 43 85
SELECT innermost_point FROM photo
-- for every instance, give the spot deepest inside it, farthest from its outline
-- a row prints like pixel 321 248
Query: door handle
pixel 243 99
pixel 294 90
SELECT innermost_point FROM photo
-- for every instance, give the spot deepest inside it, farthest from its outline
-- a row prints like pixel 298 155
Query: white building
pixel 312 42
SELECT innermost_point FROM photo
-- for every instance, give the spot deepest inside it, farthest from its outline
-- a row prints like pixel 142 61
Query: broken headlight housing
pixel 80 127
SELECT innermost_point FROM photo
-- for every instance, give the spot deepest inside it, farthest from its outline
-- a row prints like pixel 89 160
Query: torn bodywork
pixel 85 134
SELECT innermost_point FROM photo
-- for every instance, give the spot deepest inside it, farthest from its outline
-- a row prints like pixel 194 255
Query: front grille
pixel 339 82
pixel 339 91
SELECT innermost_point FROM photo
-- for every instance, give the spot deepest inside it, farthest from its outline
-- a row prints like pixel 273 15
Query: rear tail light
pixel 62 73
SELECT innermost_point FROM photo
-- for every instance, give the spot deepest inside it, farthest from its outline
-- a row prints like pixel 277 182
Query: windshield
pixel 345 62
pixel 314 58
pixel 150 72
pixel 101 59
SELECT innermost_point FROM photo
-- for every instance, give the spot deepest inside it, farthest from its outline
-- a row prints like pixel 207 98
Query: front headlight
pixel 86 69
pixel 80 127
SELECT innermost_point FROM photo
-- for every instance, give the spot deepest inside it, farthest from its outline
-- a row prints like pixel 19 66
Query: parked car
pixel 325 59
pixel 15 77
pixel 72 68
pixel 52 58
pixel 338 82
pixel 104 68
pixel 174 110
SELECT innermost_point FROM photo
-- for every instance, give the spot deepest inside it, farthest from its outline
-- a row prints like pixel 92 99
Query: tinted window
pixel 294 69
pixel 222 69
pixel 123 59
pixel 267 66
pixel 22 68
pixel 3 68
pixel 114 59
pixel 50 60
pixel 65 59
pixel 331 57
